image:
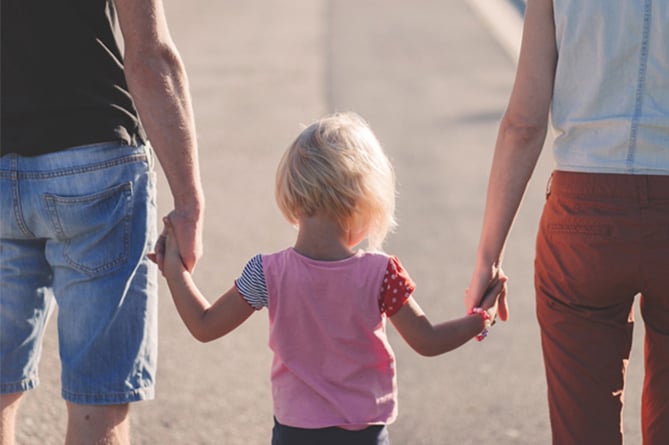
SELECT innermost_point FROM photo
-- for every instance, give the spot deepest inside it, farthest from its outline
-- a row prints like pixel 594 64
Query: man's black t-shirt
pixel 62 79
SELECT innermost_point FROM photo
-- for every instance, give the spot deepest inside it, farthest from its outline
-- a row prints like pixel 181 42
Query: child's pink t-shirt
pixel 332 365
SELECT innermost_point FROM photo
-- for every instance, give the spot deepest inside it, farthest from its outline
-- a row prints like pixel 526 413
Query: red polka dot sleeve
pixel 396 288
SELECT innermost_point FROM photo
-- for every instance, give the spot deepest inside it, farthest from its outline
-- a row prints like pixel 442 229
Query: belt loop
pixel 148 148
pixel 548 185
pixel 642 185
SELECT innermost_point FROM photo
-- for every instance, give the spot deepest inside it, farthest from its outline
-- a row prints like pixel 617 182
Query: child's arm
pixel 430 340
pixel 205 321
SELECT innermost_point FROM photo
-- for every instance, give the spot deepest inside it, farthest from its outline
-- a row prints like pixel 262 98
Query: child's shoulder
pixel 282 257
pixel 376 258
pixel 261 258
pixel 276 253
pixel 390 262
pixel 377 254
pixel 373 253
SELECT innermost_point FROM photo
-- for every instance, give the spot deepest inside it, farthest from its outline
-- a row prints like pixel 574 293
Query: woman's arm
pixel 520 139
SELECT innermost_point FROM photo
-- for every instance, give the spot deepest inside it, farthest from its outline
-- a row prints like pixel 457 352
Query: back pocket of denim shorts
pixel 94 229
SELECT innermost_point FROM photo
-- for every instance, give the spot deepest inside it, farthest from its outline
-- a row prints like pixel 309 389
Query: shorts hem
pixel 22 386
pixel 122 398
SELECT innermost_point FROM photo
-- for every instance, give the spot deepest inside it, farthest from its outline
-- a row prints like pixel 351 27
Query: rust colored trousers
pixel 603 240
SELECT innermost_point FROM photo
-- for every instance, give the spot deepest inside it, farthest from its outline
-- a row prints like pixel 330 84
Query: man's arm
pixel 159 87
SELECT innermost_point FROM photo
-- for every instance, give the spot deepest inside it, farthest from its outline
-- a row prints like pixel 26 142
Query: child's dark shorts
pixel 288 435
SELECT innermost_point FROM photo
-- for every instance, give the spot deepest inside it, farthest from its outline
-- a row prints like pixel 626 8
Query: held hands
pixel 490 303
pixel 187 226
pixel 167 254
pixel 483 281
pixel 494 297
pixel 187 232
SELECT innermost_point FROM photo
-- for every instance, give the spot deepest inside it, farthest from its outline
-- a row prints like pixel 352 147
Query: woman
pixel 599 70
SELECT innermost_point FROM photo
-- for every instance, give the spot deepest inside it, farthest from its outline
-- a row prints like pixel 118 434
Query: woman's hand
pixel 488 289
pixel 494 299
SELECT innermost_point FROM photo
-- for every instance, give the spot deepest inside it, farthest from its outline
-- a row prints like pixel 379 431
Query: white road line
pixel 504 22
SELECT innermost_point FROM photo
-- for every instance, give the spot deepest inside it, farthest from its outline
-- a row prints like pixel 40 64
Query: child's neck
pixel 321 238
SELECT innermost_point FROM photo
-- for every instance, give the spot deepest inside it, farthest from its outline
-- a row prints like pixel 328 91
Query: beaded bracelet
pixel 486 322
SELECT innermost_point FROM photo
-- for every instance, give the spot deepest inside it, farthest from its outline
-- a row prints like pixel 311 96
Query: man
pixel 78 202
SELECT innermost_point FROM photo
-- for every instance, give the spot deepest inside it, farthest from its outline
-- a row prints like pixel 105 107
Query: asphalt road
pixel 433 82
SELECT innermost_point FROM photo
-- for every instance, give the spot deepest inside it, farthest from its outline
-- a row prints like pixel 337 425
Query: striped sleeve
pixel 251 284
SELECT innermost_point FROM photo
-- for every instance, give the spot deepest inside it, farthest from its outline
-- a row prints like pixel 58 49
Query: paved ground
pixel 433 82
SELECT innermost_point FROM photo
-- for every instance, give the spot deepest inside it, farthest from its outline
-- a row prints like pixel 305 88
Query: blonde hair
pixel 337 166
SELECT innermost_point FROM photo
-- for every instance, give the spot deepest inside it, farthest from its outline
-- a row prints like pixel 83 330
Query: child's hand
pixel 171 257
pixel 158 254
pixel 494 296
pixel 484 277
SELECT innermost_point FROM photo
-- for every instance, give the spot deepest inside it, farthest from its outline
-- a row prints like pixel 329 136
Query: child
pixel 333 371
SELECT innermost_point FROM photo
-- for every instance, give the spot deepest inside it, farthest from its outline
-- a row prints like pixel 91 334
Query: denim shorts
pixel 75 228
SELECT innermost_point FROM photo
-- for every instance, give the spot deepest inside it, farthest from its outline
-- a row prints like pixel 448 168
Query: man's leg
pixel 106 290
pixel 9 406
pixel 98 424
pixel 25 305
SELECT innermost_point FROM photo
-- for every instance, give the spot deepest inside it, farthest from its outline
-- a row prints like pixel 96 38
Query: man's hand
pixel 187 230
pixel 187 227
